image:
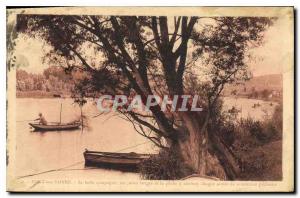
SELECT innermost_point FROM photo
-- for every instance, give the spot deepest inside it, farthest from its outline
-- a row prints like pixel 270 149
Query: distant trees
pixel 265 93
pixel 52 79
pixel 56 72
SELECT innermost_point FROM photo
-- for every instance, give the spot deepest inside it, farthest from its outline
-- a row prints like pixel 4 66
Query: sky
pixel 270 57
pixel 274 53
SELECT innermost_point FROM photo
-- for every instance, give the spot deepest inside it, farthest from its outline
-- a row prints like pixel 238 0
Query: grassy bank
pixel 255 145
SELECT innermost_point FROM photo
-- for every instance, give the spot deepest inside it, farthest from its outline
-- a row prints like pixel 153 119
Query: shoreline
pixel 41 94
pixel 278 100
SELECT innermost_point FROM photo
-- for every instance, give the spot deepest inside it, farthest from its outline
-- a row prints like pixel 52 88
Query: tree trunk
pixel 225 156
pixel 192 144
pixel 197 147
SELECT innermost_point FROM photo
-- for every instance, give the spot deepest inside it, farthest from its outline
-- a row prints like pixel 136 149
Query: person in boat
pixel 42 119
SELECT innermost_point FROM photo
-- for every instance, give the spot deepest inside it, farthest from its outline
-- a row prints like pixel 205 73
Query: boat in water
pixel 55 126
pixel 119 161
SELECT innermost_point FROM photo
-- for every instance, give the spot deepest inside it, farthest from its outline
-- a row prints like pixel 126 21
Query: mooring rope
pixel 76 163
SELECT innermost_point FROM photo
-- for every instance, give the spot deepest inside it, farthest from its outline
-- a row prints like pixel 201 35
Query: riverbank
pixel 272 99
pixel 45 94
pixel 40 94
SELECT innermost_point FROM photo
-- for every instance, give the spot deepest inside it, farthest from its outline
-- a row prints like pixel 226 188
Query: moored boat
pixel 119 161
pixel 55 126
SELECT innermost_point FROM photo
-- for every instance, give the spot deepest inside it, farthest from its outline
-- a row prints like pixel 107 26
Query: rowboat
pixel 119 161
pixel 55 126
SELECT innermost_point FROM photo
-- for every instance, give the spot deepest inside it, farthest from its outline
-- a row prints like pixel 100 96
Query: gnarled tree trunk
pixel 192 143
pixel 198 148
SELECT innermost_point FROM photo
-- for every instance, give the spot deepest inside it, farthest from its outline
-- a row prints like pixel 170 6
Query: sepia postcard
pixel 150 99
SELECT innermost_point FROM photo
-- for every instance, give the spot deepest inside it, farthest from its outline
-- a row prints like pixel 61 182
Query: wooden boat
pixel 55 126
pixel 119 161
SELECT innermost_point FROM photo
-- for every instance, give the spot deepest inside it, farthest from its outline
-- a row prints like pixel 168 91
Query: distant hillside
pixel 271 83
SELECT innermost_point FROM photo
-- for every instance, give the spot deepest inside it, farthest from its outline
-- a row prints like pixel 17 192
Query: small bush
pixel 255 144
pixel 167 165
pixel 269 131
pixel 253 162
pixel 262 163
pixel 277 120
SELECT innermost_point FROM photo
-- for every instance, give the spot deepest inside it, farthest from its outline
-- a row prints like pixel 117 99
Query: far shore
pixel 274 99
pixel 40 94
pixel 44 94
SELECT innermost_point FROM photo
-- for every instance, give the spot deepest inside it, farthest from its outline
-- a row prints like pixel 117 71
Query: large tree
pixel 149 55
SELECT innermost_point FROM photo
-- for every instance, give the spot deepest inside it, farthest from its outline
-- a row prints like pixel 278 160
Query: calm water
pixel 245 106
pixel 38 152
pixel 43 151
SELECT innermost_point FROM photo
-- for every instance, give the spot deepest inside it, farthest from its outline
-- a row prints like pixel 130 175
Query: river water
pixel 37 152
